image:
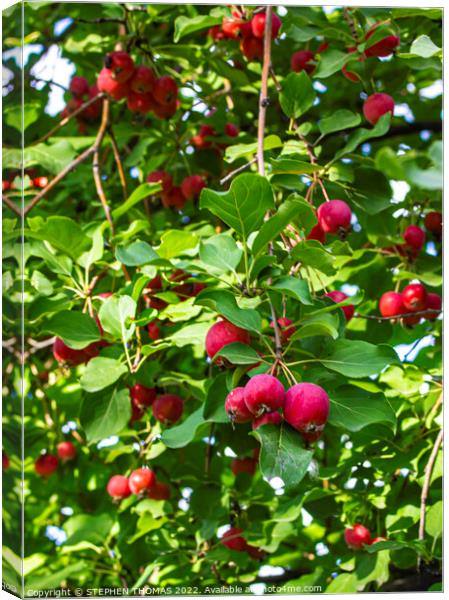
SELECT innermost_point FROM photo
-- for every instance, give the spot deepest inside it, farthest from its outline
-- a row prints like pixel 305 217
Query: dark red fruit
pixel 168 408
pixel 142 395
pixel 79 86
pixel 231 27
pixel 377 105
pixel 46 465
pixel 414 297
pixel 139 103
pixel 174 198
pixel 165 90
pixel 270 418
pixel 191 186
pixel 306 409
pixel 258 25
pixel 235 406
pixel 70 356
pixel 334 216
pixel 302 61
pixel 338 297
pixel 317 233
pixel 159 491
pixel 264 393
pixel 107 84
pixel 223 333
pixel 162 177
pixel 118 487
pixel 434 222
pixel 141 480
pixel 66 451
pixel 142 80
pixel 434 302
pixel 244 465
pixel 286 327
pixel 120 64
pixel 357 536
pixel 391 304
pixel 383 47
pixel 233 540
pixel 154 332
pixel 414 236
pixel 251 48
pixel 231 130
pixel 5 461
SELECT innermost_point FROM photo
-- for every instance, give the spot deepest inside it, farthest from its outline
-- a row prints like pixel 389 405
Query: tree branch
pixel 10 204
pixel 238 170
pixel 96 163
pixel 263 99
pixel 426 485
pixel 118 162
pixel 418 313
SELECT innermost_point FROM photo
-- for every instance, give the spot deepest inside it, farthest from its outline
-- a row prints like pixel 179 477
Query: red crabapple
pixel 391 305
pixel 338 297
pixel 191 186
pixel 269 418
pixel 233 540
pixel 223 333
pixel 141 480
pixel 317 233
pixel 70 356
pixel 264 393
pixel 251 48
pixel 120 64
pixel 165 90
pixel 258 25
pixel 107 84
pixel 414 297
pixel 383 47
pixel 377 105
pixel 168 408
pixel 66 451
pixel 142 395
pixel 5 461
pixel 79 86
pixel 162 177
pixel 334 216
pixel 40 182
pixel 286 327
pixel 231 130
pixel 244 465
pixel 118 487
pixel 414 236
pixel 142 80
pixel 173 198
pixel 46 465
pixel 231 27
pixel 433 222
pixel 301 61
pixel 159 491
pixel 434 302
pixel 306 409
pixel 357 536
pixel 154 332
pixel 235 406
pixel 139 103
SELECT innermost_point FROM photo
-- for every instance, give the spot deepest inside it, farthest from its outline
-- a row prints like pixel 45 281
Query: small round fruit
pixel 231 130
pixel 317 233
pixel 70 356
pixel 142 395
pixel 118 487
pixel 377 105
pixel 107 84
pixel 141 480
pixel 66 451
pixel 165 90
pixel 338 297
pixel 120 64
pixel 306 408
pixel 159 491
pixel 244 465
pixel 334 216
pixel 286 327
pixel 301 61
pixel 251 48
pixel 258 25
pixel 434 222
pixel 46 465
pixel 391 305
pixel 223 333
pixel 264 393
pixel 142 80
pixel 191 186
pixel 357 536
pixel 139 103
pixel 168 408
pixel 154 333
pixel 434 303
pixel 414 236
pixel 270 418
pixel 414 297
pixel 235 406
pixel 162 177
pixel 174 198
pixel 79 86
pixel 5 461
pixel 233 540
pixel 384 47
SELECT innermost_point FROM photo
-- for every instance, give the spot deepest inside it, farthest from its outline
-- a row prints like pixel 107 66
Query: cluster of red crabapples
pixel 142 482
pixel 48 463
pixel 415 237
pixel 145 92
pixel 82 91
pixel 166 408
pixel 358 536
pixel 234 540
pixel 176 196
pixel 305 406
pixel 35 181
pixel 249 32
pixel 414 298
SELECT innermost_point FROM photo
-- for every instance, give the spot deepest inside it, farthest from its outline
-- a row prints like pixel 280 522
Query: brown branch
pixel 238 170
pixel 351 24
pixel 263 99
pixel 426 485
pixel 418 313
pixel 10 204
pixel 69 117
pixel 96 163
pixel 118 162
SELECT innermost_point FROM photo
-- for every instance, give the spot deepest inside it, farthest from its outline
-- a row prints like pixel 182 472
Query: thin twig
pixel 96 163
pixel 10 204
pixel 263 99
pixel 351 24
pixel 238 170
pixel 118 162
pixel 418 313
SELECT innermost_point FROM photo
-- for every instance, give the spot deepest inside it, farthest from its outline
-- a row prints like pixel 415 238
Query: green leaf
pixel 354 358
pixel 434 520
pixel 331 61
pixel 423 47
pixel 50 157
pixel 346 583
pixel 87 528
pixel 292 166
pixel 105 414
pixel 194 335
pixel 374 192
pixel 87 259
pixel 312 254
pixel 221 252
pixel 297 94
pixel 51 581
pixel 320 324
pixel 248 150
pixel 100 373
pixel 142 191
pixel 181 435
pixel 293 208
pixel 239 354
pixel 76 329
pixel 243 207
pixel 339 120
pixel 114 314
pixel 283 454
pixel 12 114
pixel 362 135
pixel 353 409
pixel 61 232
pixel 293 287
pixel 186 25
pixel 176 242
pixel 224 303
pixel 217 391
pixel 136 254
